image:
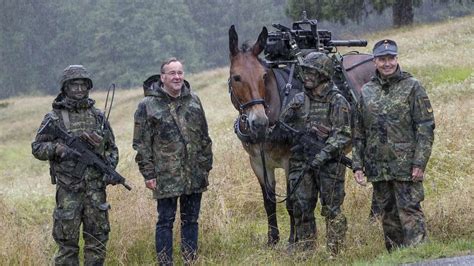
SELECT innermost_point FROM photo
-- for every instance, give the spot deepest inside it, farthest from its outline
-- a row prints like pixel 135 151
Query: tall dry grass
pixel 233 221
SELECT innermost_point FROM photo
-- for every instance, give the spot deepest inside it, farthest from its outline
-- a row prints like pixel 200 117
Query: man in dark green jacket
pixel 79 199
pixel 393 136
pixel 174 155
pixel 323 114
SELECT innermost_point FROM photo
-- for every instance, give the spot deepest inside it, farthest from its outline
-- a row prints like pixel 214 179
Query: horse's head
pixel 247 83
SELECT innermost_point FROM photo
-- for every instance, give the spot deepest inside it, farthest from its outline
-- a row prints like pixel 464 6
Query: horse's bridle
pixel 243 106
pixel 242 117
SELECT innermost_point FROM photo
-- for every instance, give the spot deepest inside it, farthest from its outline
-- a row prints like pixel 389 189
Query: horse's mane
pixel 246 46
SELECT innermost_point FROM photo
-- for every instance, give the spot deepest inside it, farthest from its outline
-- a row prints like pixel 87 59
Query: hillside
pixel 233 221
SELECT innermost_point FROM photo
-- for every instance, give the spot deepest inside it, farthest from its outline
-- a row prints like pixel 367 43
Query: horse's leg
pixel 269 202
pixel 269 199
pixel 289 206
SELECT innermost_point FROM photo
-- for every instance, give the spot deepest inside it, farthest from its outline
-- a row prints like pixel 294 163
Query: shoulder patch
pixel 427 103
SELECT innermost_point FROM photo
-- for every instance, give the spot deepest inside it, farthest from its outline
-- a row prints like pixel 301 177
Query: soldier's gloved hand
pixel 64 153
pixel 315 164
pixel 92 138
pixel 297 148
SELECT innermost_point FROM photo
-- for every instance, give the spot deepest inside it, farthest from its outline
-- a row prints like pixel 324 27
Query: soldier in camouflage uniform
pixel 78 199
pixel 323 113
pixel 393 136
pixel 174 155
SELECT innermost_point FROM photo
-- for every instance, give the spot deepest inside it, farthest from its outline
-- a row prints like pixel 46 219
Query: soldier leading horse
pixel 255 94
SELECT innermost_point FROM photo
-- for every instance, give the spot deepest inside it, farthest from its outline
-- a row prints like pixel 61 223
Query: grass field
pixel 233 221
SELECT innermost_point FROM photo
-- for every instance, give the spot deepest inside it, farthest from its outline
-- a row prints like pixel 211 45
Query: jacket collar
pixel 63 102
pixel 392 79
pixel 327 90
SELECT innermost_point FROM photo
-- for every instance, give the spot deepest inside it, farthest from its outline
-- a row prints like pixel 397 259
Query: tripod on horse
pixel 258 94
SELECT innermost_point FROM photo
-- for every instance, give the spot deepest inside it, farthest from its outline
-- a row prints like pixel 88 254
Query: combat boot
pixel 336 233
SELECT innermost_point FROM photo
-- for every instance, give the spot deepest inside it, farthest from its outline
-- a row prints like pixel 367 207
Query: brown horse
pixel 358 69
pixel 255 94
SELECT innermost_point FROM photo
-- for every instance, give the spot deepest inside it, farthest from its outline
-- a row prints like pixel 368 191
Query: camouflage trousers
pixel 73 208
pixel 303 202
pixel 403 220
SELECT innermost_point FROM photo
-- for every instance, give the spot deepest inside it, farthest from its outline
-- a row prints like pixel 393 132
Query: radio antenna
pixel 304 11
pixel 111 87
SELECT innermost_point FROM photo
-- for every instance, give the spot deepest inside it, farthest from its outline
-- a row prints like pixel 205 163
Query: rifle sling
pixel 66 121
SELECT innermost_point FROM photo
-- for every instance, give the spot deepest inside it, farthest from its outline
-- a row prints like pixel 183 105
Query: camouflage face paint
pixel 77 89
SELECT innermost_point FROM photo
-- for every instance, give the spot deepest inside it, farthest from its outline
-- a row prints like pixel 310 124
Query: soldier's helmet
pixel 319 61
pixel 75 72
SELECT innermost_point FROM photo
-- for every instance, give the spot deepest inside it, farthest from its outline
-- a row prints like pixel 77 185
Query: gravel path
pixel 463 260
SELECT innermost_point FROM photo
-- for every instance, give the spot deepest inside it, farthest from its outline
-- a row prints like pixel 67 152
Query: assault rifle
pixel 85 156
pixel 310 145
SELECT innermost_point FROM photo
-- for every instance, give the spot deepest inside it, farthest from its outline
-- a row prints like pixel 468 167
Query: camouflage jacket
pixel 394 126
pixel 75 117
pixel 172 141
pixel 327 116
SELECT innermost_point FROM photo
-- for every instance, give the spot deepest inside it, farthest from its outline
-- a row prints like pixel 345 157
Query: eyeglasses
pixel 175 73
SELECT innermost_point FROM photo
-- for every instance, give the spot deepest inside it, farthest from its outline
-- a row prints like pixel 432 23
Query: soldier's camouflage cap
pixel 385 47
pixel 75 72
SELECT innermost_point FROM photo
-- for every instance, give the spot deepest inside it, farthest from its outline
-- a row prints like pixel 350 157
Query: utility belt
pixel 71 176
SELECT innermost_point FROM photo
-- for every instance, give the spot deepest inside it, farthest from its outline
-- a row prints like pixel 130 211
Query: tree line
pixel 117 41
pixel 123 42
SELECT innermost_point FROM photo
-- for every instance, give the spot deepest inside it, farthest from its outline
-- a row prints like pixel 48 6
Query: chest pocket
pixel 86 121
pixel 164 130
pixel 77 122
pixel 397 105
pixel 166 138
pixel 317 114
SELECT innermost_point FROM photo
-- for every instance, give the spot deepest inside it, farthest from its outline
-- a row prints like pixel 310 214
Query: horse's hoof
pixel 291 240
pixel 272 241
